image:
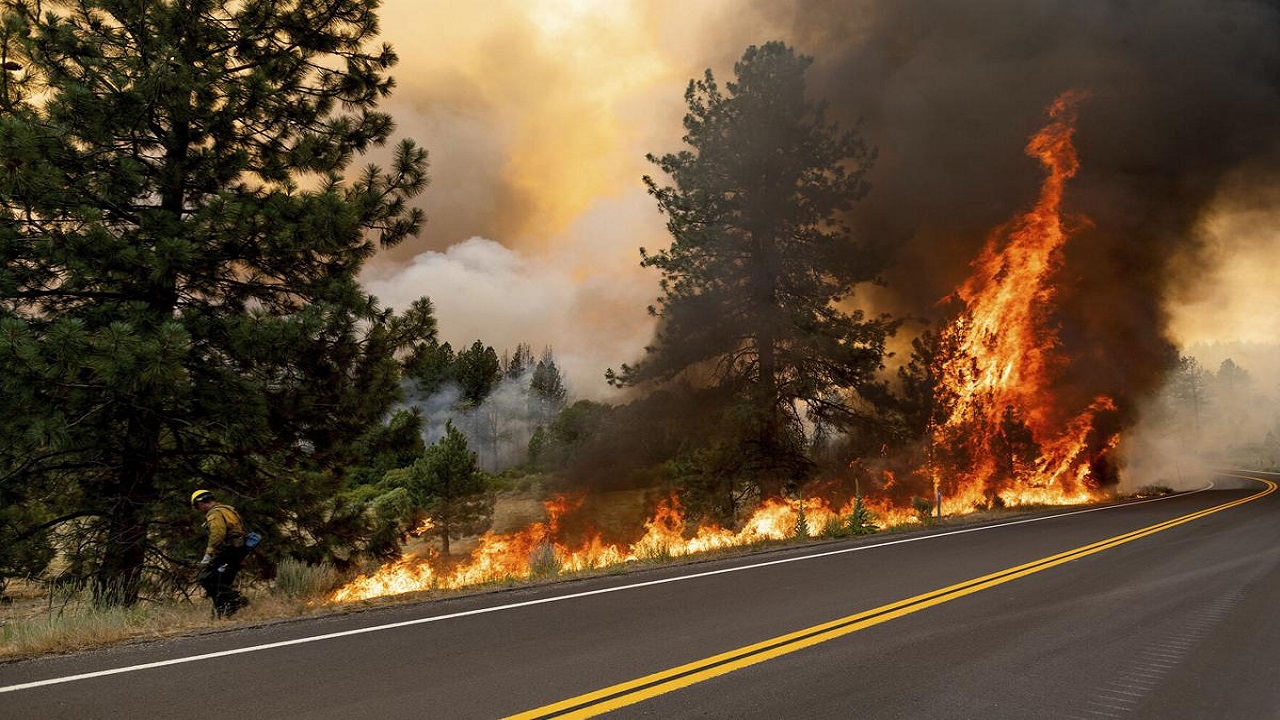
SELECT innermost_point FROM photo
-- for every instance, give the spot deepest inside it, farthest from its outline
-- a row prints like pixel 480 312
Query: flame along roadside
pixel 1000 358
pixel 660 683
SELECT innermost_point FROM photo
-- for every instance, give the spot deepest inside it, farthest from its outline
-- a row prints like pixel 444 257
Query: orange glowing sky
pixel 537 115
pixel 1238 298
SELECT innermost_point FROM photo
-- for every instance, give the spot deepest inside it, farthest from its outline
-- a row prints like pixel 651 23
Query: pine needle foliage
pixel 757 280
pixel 180 227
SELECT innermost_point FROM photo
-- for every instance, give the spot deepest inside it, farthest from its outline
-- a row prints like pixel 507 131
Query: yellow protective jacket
pixel 226 529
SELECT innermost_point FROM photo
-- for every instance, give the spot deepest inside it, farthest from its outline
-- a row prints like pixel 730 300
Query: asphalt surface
pixel 1177 623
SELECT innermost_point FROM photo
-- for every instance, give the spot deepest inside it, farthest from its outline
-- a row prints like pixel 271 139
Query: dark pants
pixel 218 579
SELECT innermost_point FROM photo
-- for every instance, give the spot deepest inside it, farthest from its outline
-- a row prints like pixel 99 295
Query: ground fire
pixel 1002 438
pixel 536 549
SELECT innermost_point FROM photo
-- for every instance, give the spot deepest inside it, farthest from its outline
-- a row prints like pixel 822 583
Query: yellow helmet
pixel 200 496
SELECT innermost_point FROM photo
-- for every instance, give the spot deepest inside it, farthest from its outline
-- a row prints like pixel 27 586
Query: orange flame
pixel 534 550
pixel 996 367
pixel 1005 438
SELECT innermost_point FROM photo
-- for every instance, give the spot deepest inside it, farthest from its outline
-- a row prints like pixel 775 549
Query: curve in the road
pixel 540 601
pixel 627 693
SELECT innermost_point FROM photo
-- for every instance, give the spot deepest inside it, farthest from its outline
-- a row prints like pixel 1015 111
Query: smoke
pixel 498 430
pixel 538 116
pixel 1231 294
pixel 1179 155
pixel 1224 321
pixel 1218 411
pixel 1182 95
pixel 485 291
pixel 532 110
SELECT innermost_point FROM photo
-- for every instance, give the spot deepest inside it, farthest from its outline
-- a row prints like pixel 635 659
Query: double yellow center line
pixel 633 691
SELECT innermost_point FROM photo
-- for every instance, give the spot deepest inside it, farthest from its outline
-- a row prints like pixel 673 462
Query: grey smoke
pixel 1185 94
pixel 498 430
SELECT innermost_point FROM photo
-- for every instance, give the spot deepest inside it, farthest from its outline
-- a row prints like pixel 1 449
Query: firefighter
pixel 223 554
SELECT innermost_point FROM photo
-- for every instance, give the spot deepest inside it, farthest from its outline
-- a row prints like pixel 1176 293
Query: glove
pixel 206 559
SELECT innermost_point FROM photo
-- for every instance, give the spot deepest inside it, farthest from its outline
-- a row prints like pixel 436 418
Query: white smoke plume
pixel 1223 315
pixel 1216 416
pixel 586 301
pixel 498 430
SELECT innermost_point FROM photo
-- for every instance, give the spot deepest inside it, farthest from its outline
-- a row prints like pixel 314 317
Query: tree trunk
pixel 124 553
pixel 119 577
pixel 768 426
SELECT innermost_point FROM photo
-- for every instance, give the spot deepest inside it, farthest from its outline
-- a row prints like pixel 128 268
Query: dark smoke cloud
pixel 1183 94
pixel 538 116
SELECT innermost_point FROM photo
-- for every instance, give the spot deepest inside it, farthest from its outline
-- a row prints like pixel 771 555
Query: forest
pixel 184 218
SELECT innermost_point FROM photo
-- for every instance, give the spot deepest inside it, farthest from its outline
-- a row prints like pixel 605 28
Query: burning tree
pixel 1000 432
pixel 757 280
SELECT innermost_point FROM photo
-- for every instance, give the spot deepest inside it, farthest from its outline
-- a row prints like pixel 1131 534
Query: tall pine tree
pixel 757 280
pixel 547 389
pixel 180 240
pixel 477 371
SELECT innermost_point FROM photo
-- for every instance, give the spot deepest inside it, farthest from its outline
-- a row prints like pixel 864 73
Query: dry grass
pixel 34 625
pixel 37 624
pixel 78 625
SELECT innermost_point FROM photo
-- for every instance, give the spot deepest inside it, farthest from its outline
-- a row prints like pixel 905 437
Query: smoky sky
pixel 1184 102
pixel 538 116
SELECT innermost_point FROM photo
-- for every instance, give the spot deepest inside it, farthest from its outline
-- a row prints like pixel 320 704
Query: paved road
pixel 1038 619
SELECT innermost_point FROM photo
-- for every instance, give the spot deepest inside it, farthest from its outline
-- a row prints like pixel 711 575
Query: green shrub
pixel 300 580
pixel 835 528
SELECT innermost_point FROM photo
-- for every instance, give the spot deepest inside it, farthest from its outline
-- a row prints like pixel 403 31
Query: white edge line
pixel 557 598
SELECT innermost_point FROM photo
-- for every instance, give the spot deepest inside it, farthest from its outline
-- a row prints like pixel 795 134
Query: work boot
pixel 235 605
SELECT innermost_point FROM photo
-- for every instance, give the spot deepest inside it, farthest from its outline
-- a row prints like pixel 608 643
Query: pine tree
pixel 757 279
pixel 516 364
pixel 919 386
pixel 861 521
pixel 547 388
pixel 802 521
pixel 432 369
pixel 477 371
pixel 1013 449
pixel 1187 392
pixel 416 334
pixel 448 487
pixel 180 240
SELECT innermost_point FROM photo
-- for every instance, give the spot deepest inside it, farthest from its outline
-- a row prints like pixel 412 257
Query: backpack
pixel 250 539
